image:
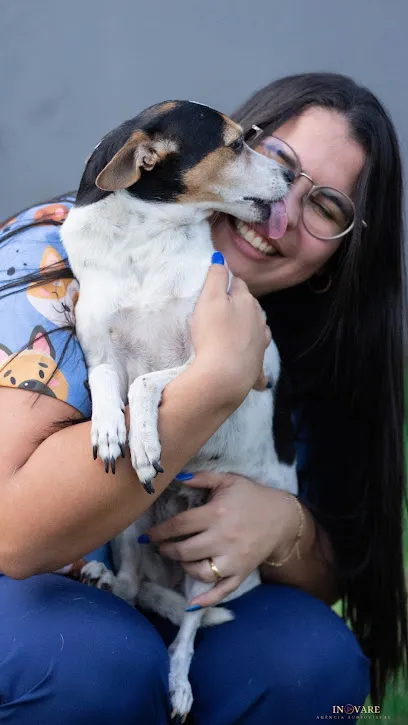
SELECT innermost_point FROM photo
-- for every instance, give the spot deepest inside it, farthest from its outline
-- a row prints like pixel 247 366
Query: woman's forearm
pixel 61 504
pixel 312 572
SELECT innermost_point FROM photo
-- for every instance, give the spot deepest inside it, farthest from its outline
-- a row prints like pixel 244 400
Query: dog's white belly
pixel 138 327
pixel 132 330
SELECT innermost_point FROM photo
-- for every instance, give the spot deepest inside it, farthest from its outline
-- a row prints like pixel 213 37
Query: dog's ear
pixel 139 152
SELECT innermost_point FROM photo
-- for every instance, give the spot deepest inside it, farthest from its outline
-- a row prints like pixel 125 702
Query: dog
pixel 138 241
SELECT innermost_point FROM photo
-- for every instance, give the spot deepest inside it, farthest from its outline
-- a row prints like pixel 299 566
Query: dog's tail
pixel 172 605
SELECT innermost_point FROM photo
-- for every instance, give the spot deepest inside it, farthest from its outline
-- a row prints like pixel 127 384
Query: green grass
pixel 395 707
pixel 396 701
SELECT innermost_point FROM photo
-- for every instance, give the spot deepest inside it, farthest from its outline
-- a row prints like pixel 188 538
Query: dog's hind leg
pixel 182 649
pixel 181 653
pixel 127 556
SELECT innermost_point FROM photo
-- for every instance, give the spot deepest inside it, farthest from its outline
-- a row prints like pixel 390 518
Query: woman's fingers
pixel 186 523
pixel 221 590
pixel 202 570
pixel 209 479
pixel 191 550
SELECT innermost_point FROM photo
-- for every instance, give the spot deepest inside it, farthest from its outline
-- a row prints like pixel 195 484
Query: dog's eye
pixel 252 134
pixel 238 144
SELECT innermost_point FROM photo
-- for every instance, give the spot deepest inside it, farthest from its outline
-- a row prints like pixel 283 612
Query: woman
pixel 332 288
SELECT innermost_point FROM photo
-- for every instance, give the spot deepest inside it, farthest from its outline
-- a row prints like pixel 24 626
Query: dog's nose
pixel 289 175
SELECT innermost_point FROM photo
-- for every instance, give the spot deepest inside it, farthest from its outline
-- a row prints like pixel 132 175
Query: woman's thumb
pixel 217 279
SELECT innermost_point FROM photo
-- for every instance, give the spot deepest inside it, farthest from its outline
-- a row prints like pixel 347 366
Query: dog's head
pixel 184 153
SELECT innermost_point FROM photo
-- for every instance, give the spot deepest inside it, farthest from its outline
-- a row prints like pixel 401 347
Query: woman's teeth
pixel 254 239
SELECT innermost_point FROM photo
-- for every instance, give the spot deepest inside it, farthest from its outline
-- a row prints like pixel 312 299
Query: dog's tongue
pixel 276 225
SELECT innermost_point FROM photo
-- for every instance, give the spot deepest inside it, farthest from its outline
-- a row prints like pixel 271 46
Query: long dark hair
pixel 344 352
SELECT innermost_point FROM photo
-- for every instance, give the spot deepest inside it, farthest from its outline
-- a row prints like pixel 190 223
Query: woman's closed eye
pixel 323 210
pixel 327 208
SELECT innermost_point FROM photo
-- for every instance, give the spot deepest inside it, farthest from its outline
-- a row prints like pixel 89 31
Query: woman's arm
pixel 56 502
pixel 312 572
pixel 60 503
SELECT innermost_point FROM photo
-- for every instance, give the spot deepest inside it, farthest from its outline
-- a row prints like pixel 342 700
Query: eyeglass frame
pixel 259 132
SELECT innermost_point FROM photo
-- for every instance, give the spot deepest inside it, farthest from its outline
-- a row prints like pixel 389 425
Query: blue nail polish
pixel 217 258
pixel 194 608
pixel 184 476
pixel 269 384
pixel 143 539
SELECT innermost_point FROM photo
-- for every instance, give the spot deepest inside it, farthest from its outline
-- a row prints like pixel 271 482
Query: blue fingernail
pixel 184 476
pixel 143 539
pixel 269 384
pixel 217 258
pixel 194 608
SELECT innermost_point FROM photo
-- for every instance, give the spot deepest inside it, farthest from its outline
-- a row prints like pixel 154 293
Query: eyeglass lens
pixel 327 212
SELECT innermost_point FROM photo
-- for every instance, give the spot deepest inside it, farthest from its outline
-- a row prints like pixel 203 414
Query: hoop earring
pixel 320 290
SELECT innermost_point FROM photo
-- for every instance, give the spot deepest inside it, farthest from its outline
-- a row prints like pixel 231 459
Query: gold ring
pixel 214 567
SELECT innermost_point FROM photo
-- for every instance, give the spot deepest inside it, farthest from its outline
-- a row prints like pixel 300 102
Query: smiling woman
pixel 287 657
pixel 326 161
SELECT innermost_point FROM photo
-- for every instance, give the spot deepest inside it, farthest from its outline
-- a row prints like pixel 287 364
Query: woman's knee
pixel 76 654
pixel 287 654
pixel 317 651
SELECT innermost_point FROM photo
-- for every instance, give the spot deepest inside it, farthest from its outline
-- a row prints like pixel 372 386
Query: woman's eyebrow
pixel 287 159
pixel 335 199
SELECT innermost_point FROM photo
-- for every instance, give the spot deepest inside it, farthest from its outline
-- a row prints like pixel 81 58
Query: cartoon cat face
pixel 33 368
pixel 54 300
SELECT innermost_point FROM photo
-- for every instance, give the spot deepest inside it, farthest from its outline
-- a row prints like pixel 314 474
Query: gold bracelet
pixel 295 546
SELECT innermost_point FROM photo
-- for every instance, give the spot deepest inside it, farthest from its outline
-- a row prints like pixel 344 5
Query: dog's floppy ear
pixel 139 152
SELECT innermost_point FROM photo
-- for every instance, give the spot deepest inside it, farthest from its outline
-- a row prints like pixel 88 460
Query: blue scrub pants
pixel 73 655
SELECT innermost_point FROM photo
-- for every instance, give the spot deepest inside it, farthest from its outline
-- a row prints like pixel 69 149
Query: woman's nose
pixel 294 202
pixel 293 208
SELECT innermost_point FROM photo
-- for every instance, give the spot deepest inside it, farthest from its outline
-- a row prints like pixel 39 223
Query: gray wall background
pixel 70 70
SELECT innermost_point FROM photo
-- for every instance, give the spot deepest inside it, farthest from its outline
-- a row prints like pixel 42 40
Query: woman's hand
pixel 242 524
pixel 229 332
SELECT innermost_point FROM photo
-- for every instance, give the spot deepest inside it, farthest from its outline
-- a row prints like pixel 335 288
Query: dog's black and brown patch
pixel 185 145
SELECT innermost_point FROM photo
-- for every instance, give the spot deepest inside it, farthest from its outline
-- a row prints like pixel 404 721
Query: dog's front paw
pixel 108 434
pixel 96 574
pixel 144 443
pixel 181 696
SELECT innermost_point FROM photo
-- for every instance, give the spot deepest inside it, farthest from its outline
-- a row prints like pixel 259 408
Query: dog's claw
pixel 95 452
pixel 106 465
pixel 157 467
pixel 175 714
pixel 113 465
pixel 148 486
pixel 122 449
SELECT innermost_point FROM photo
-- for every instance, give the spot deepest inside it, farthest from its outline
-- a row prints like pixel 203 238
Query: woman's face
pixel 321 138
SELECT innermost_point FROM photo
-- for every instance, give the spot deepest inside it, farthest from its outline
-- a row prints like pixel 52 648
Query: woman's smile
pixel 250 242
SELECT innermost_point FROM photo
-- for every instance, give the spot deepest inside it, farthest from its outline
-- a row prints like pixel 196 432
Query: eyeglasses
pixel 327 213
